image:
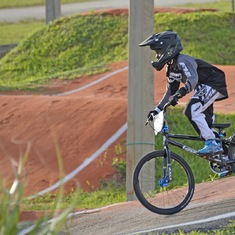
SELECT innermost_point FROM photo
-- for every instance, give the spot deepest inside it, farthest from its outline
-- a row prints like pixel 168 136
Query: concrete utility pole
pixel 53 10
pixel 140 139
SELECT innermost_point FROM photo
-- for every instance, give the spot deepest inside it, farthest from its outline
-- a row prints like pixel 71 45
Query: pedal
pixel 223 174
pixel 218 165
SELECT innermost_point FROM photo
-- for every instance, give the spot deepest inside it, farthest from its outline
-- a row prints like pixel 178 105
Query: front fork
pixel 167 176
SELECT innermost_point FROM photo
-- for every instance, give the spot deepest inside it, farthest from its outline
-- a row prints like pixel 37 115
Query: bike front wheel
pixel 153 193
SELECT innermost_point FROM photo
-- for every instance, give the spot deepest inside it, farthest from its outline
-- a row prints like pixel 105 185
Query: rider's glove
pixel 153 113
pixel 173 100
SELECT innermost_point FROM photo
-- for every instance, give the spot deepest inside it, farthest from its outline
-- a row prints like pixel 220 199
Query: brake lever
pixel 147 122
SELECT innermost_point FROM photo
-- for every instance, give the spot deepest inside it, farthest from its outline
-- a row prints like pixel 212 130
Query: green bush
pixel 87 44
pixel 79 44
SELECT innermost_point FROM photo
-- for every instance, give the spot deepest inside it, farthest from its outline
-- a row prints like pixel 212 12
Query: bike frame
pixel 168 139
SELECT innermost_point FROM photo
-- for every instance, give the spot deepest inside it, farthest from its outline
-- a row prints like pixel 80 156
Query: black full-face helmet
pixel 166 44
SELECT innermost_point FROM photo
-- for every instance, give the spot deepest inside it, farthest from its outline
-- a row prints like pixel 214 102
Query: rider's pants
pixel 199 110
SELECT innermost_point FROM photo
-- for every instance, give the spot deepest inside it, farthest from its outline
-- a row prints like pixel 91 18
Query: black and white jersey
pixel 192 72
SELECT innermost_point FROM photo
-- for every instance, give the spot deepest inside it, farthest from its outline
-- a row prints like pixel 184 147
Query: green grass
pixel 77 45
pixel 228 230
pixel 84 200
pixel 13 33
pixel 224 5
pixel 199 43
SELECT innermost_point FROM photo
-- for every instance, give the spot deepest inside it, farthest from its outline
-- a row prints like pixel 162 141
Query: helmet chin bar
pixel 156 65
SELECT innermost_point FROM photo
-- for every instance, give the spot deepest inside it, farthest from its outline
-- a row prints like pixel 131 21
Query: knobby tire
pixel 164 200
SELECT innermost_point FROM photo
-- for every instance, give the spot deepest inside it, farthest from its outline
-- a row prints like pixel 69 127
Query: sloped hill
pixel 86 44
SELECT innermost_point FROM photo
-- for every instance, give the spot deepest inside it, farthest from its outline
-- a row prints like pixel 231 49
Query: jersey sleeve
pixel 170 90
pixel 188 66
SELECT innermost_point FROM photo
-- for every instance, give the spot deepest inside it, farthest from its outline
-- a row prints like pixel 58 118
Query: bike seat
pixel 221 125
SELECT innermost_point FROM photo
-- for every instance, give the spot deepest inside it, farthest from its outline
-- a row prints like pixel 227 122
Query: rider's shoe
pixel 211 147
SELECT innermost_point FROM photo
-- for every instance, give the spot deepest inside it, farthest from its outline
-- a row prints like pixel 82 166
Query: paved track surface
pixel 211 203
pixel 16 14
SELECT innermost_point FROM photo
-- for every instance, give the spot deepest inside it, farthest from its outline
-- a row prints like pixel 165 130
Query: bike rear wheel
pixel 163 198
pixel 231 153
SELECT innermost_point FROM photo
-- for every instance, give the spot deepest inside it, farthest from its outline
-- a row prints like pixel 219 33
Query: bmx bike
pixel 163 181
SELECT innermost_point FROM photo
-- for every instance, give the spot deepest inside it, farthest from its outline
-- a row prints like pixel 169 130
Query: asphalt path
pixel 212 207
pixel 38 12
